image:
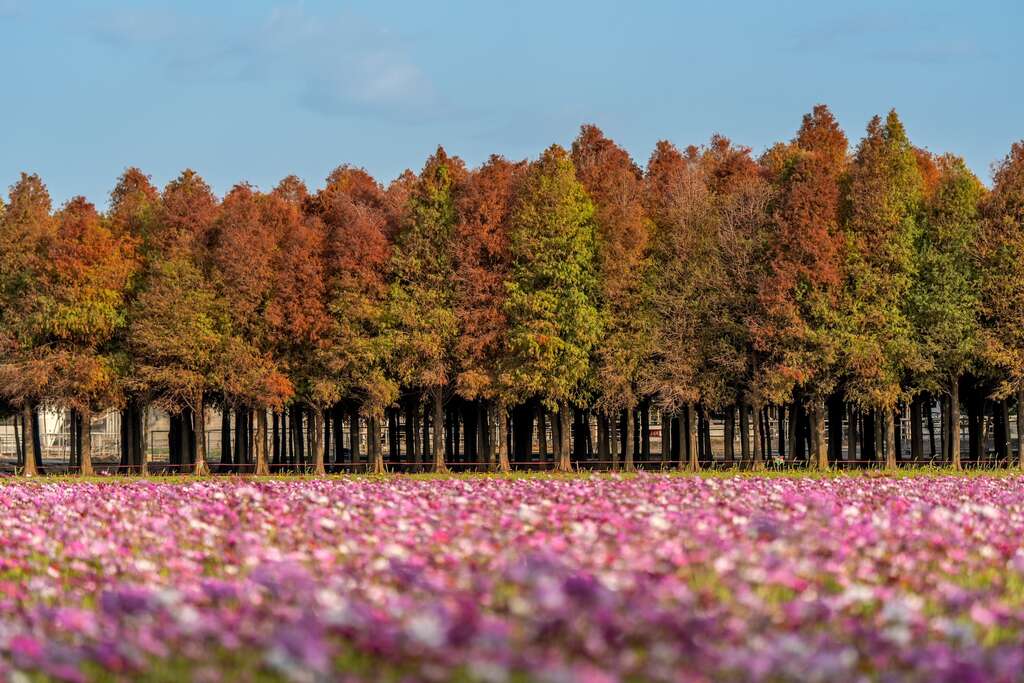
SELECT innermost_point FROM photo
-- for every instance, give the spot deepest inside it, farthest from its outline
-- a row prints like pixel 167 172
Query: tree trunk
pixel 424 441
pixel 500 440
pixel 239 443
pixel 766 432
pixel 1020 427
pixel 851 431
pixel 1000 427
pixel 449 449
pixel 634 415
pixel 317 429
pixel 589 433
pixel 299 434
pixel 982 428
pixel 953 429
pixel 74 439
pixel 758 463
pixel 187 438
pixel 973 428
pixel 645 432
pixel 484 435
pixel 138 435
pixel 283 438
pixel 37 440
pixel 867 437
pixel 931 427
pixel 275 438
pixel 691 438
pixel 614 439
pixel 564 431
pixel 890 438
pixel 353 437
pixel 542 432
pixel 880 423
pixel 28 442
pixel 916 445
pixel 666 438
pixel 85 452
pixel 262 467
pixel 410 430
pixel 373 441
pixel 603 443
pixel 898 433
pixel 835 427
pixel 744 434
pixel 144 441
pixel 947 454
pixel 628 456
pixel 819 452
pixel 200 468
pixel 438 441
pixel 730 436
pixel 709 454
pixel 225 438
pixel 780 411
pixel 393 438
pixel 123 422
pixel 794 437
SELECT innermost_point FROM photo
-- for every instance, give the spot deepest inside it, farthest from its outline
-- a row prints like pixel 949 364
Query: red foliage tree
pixel 353 209
pixel 615 184
pixel 483 267
pixel 796 327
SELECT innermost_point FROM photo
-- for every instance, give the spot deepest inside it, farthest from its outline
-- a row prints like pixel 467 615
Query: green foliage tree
pixel 26 233
pixel 176 322
pixel 421 302
pixel 1000 252
pixel 944 302
pixel 554 322
pixel 881 211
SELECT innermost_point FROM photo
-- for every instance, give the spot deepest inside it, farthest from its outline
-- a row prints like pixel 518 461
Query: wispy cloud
pixel 885 37
pixel 338 65
pixel 933 52
pixel 825 35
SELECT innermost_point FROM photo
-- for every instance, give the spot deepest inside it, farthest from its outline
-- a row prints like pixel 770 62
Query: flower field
pixel 644 579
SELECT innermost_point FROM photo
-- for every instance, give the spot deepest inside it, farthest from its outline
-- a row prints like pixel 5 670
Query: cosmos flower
pixel 652 578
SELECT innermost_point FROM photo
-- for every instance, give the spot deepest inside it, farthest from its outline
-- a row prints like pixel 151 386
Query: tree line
pixel 824 281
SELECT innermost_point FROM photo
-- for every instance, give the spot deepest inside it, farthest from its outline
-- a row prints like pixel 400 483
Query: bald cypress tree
pixel 553 319
pixel 621 266
pixel 881 212
pixel 483 267
pixel 1001 257
pixel 796 324
pixel 423 323
pixel 27 232
pixel 176 323
pixel 352 207
pixel 944 296
pixel 683 246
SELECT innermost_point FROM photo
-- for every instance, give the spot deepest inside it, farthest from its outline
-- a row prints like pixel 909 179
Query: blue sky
pixel 256 89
